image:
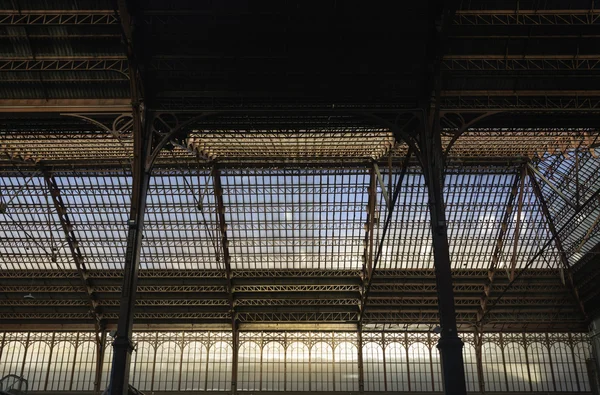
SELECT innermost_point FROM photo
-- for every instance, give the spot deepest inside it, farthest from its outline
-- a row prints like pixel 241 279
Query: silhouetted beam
pixel 531 169
pixel 218 191
pixel 557 241
pixel 498 249
pixel 73 243
pixel 517 232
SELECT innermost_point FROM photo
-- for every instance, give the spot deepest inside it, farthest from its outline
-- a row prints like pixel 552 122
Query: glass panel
pixel 321 365
pixel 249 367
pixel 470 359
pixel 539 367
pixel 219 367
pixel 563 367
pixel 516 367
pixel 167 367
pixel 85 367
pixel 142 366
pixel 273 363
pixel 61 366
pixel 36 365
pixel 419 366
pixel 373 367
pixel 396 367
pixel 297 367
pixel 346 367
pixel 193 367
pixel 493 367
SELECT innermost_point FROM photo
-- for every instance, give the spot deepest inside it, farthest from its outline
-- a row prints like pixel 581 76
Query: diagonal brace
pixel 73 244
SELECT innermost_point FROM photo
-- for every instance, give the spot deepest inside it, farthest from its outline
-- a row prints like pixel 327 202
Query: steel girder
pixel 526 17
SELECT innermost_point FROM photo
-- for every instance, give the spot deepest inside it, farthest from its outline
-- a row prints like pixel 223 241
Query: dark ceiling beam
pixel 224 242
pixel 74 248
pixel 534 63
pixel 530 17
pixel 116 105
pixel 67 63
pixel 58 17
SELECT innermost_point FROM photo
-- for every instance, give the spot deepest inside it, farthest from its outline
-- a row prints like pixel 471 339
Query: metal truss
pixel 297 302
pixel 58 17
pixel 526 17
pixel 119 65
pixel 296 317
pixel 533 63
pixel 296 288
pixel 484 101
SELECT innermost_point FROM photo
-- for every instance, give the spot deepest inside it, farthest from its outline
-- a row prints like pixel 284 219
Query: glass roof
pixel 292 218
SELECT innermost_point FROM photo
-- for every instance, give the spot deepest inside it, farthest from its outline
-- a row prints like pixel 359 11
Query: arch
pixel 297 367
pixel 218 374
pixel 539 367
pixel 563 367
pixel 419 365
pixel 61 366
pixel 470 360
pixel 12 358
pixel 321 365
pixel 516 367
pixel 493 367
pixel 396 364
pixel 193 366
pixel 373 367
pixel 273 363
pixel 36 366
pixel 346 367
pixel 142 366
pixel 249 366
pixel 582 354
pixel 167 367
pixel 85 366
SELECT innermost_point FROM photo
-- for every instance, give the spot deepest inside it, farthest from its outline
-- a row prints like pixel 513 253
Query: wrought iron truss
pixel 267 209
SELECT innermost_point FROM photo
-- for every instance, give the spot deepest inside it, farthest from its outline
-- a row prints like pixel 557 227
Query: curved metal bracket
pixel 464 127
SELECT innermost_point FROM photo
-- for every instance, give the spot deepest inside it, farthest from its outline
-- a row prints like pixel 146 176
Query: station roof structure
pixel 278 200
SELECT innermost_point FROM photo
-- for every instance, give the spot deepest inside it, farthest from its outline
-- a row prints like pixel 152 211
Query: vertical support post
pixel 142 151
pixel 479 358
pixel 235 357
pixel 100 348
pixel 361 371
pixel 449 344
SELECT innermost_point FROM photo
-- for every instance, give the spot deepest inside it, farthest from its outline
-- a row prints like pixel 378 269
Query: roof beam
pixel 513 259
pixel 533 171
pixel 117 105
pixel 531 17
pixel 74 248
pixel 58 17
pixel 557 240
pixel 218 191
pixel 483 309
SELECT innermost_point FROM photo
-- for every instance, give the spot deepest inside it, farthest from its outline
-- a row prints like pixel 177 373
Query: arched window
pixel 273 364
pixel 373 367
pixel 419 365
pixel 167 366
pixel 516 367
pixel 61 366
pixel 219 367
pixel 321 365
pixel 346 367
pixel 470 359
pixel 249 367
pixel 582 353
pixel 396 366
pixel 193 367
pixel 539 367
pixel 36 365
pixel 85 367
pixel 563 367
pixel 142 366
pixel 12 358
pixel 297 367
pixel 493 367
